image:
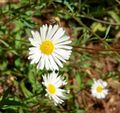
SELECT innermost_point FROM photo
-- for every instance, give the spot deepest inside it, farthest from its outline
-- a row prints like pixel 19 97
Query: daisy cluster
pixel 50 49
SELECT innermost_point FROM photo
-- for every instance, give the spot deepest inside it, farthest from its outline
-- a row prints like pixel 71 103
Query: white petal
pixel 52 31
pixel 49 31
pixel 36 36
pixel 64 43
pixel 60 93
pixel 57 99
pixel 33 42
pixel 64 53
pixel 58 82
pixel 104 84
pixel 98 96
pixel 46 63
pixel 43 31
pixel 59 57
pixel 105 91
pixel 102 95
pixel 58 61
pixel 45 28
pixel 62 39
pixel 36 59
pixel 63 47
pixel 41 63
pixel 52 62
pixel 34 50
pixel 58 34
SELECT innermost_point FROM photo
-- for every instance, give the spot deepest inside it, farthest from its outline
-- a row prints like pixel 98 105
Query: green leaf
pixel 25 91
pixel 114 16
pixel 80 111
pixel 97 27
pixel 17 62
pixel 78 79
pixel 32 76
pixel 107 31
pixel 11 103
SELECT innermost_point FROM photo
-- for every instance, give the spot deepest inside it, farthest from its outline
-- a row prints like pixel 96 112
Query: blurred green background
pixel 94 28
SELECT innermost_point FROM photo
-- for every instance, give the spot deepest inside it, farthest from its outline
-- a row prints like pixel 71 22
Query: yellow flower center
pixel 47 47
pixel 99 89
pixel 51 89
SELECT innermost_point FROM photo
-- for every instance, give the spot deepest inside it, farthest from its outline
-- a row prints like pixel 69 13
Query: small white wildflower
pixel 50 47
pixel 53 82
pixel 99 89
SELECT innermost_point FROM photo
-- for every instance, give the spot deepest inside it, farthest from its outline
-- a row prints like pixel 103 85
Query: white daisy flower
pixel 99 89
pixel 50 47
pixel 53 82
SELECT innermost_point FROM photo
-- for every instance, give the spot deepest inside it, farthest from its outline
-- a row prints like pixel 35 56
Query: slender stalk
pixel 101 21
pixel 86 48
pixel 103 41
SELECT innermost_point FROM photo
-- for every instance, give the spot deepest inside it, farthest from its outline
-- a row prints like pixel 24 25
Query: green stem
pixel 101 21
pixel 81 23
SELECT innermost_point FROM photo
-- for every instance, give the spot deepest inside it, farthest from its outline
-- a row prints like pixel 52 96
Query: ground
pixel 93 27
